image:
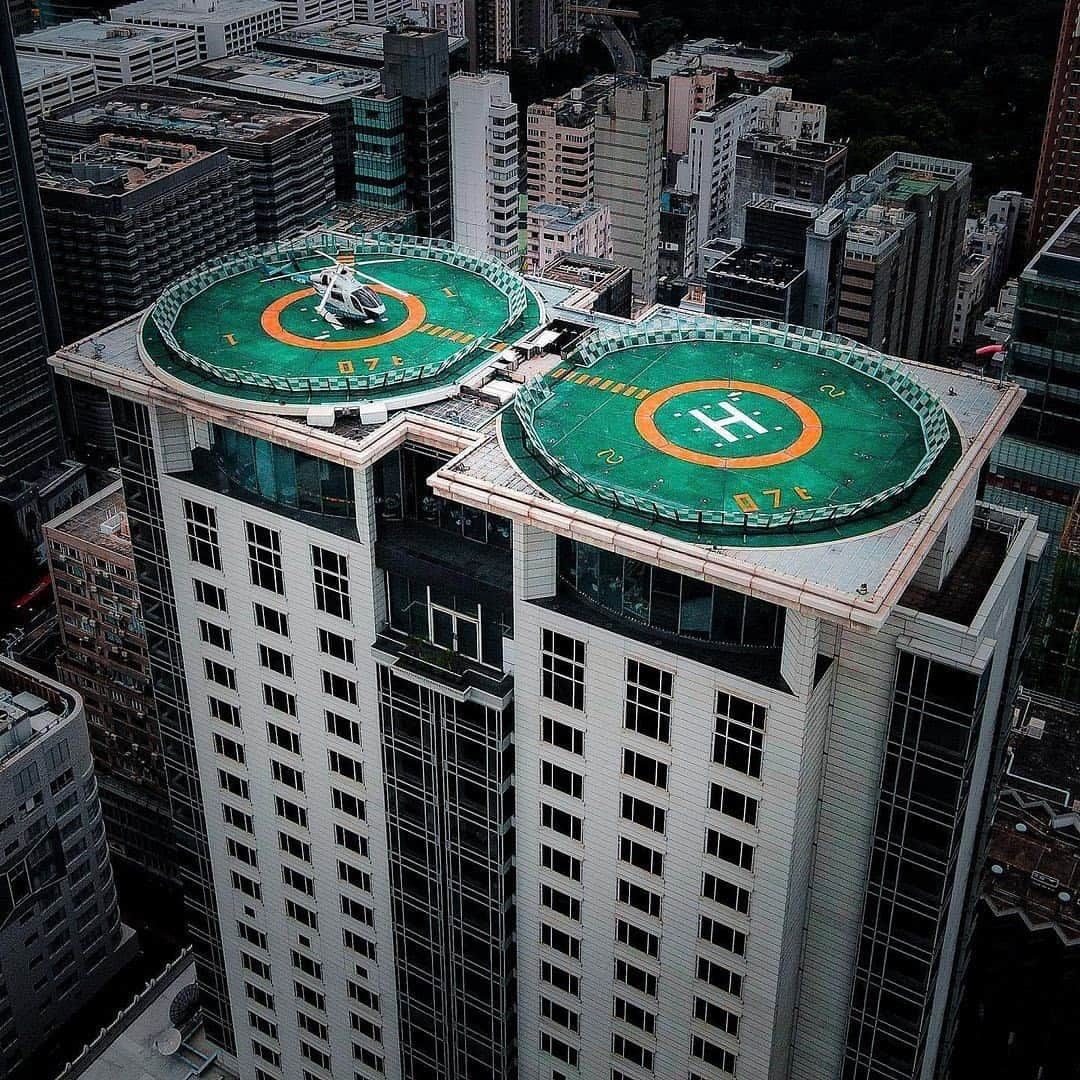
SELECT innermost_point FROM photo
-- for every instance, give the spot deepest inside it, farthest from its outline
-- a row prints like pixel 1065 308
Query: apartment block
pixel 688 93
pixel 104 658
pixel 484 164
pixel 219 29
pixel 288 154
pixel 515 730
pixel 119 54
pixel 60 928
pixel 560 151
pixel 555 230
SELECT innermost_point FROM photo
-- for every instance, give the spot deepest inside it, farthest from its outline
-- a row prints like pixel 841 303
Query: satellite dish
pixel 168 1042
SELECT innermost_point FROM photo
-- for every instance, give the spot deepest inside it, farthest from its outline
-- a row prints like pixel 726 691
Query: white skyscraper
pixel 484 164
pixel 632 722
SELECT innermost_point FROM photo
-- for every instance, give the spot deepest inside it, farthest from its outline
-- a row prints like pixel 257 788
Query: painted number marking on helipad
pixel 230 339
pixel 345 367
pixel 748 504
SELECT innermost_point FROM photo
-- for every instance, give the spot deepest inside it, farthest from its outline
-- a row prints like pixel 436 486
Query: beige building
pixel 688 93
pixel 560 150
pixel 555 230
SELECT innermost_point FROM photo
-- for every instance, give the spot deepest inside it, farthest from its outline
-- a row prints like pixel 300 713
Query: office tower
pixel 931 196
pixel 554 230
pixel 448 15
pixel 118 53
pixel 792 168
pixel 1056 188
pixel 688 93
pixel 754 284
pixel 709 169
pixel 878 259
pixel 104 657
pixel 484 164
pixel 417 69
pixel 1037 465
pixel 29 424
pixel 678 234
pixel 288 154
pixel 543 26
pixel 220 29
pixel 488 27
pixel 48 83
pixel 491 760
pixel 128 215
pixel 60 929
pixel 299 84
pixel 628 177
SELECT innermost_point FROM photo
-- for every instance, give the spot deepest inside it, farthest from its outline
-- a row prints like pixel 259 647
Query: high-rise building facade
pixel 104 658
pixel 417 69
pixel 561 150
pixel 1057 189
pixel 287 154
pixel 129 215
pixel 688 93
pixel 29 423
pixel 1037 465
pixel 60 929
pixel 629 174
pixel 484 164
pixel 553 230
pixel 489 29
pixel 508 728
pixel 790 168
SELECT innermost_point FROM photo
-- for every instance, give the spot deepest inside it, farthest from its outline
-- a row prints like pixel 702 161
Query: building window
pixel 560 779
pixel 219 673
pixel 268 618
pixel 278 699
pixel 215 635
pixel 340 687
pixel 223 711
pixel 335 645
pixel 275 660
pixel 641 855
pixel 264 558
pixel 209 595
pixel 723 892
pixel 648 701
pixel 627 1048
pixel 722 936
pixel 633 1014
pixel 633 976
pixel 560 821
pixel 331 582
pixel 202 534
pixel 644 768
pixel 740 734
pixel 549 1044
pixel 728 849
pixel 642 813
pixel 562 669
pixel 559 1014
pixel 565 737
pixel 636 896
pixel 733 804
pixel 716 1016
pixel 556 900
pixel 626 933
pixel 560 863
pixel 713 1055
pixel 718 976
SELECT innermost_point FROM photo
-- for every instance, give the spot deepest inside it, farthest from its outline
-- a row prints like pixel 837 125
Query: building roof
pixel 100 520
pixel 97 37
pixel 117 165
pixel 30 706
pixel 558 215
pixel 175 113
pixel 204 14
pixel 1044 750
pixel 281 76
pixel 766 267
pixel 339 40
pixel 35 70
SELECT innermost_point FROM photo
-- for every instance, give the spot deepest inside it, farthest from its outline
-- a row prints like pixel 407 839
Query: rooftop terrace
pixel 303 78
pixel 99 37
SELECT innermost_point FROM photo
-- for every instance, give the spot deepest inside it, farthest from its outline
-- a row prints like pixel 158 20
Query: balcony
pixel 445 671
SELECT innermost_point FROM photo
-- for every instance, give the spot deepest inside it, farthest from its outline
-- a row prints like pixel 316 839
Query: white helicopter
pixel 342 294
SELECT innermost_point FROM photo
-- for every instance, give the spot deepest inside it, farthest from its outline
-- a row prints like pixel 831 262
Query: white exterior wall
pixel 548 238
pixel 788 794
pixel 149 57
pixel 484 144
pixel 65 82
pixel 216 34
pixel 326 944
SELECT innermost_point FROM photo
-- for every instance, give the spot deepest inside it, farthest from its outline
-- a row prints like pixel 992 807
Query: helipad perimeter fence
pixel 165 311
pixel 932 418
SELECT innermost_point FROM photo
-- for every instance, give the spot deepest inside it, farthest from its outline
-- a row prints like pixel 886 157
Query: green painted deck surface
pixel 226 325
pixel 724 426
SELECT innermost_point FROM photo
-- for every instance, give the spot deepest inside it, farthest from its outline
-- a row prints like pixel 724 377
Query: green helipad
pixel 722 428
pixel 254 326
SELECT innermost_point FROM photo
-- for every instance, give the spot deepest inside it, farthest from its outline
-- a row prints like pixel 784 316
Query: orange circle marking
pixel 271 322
pixel 645 422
